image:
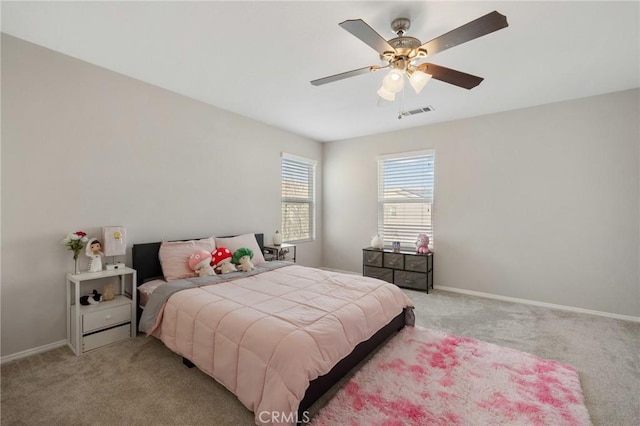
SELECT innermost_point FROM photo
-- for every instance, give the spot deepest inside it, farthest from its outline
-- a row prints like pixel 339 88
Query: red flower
pixel 81 234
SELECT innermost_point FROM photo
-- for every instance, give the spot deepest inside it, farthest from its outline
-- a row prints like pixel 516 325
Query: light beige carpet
pixel 140 382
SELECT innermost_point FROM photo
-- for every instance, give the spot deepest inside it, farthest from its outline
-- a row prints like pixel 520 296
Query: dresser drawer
pixel 393 260
pixel 416 263
pixel 381 274
pixel 104 318
pixel 410 279
pixel 372 258
pixel 106 337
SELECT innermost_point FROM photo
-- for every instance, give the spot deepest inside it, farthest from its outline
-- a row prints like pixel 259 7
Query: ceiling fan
pixel 402 54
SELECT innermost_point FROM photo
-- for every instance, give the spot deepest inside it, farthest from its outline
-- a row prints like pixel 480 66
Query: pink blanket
pixel 265 337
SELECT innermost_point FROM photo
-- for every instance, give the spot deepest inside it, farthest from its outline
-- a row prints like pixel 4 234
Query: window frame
pixel 381 201
pixel 311 200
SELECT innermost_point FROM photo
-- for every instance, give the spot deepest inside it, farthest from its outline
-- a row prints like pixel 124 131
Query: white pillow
pixel 247 241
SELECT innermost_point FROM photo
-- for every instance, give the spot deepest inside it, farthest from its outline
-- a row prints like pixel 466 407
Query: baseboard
pixel 518 300
pixel 536 303
pixel 32 351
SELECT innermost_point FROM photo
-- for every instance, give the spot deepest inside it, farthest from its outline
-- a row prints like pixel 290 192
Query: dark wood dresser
pixel 403 268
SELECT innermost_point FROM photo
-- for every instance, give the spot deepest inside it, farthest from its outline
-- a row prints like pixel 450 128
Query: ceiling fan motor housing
pixel 400 26
pixel 405 47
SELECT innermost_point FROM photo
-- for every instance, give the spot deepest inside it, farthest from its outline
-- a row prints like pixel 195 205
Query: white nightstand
pixel 92 326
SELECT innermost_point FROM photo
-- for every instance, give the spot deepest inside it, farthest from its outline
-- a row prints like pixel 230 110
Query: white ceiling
pixel 256 58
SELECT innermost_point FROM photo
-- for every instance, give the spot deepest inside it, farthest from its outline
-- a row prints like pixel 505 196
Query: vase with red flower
pixel 75 242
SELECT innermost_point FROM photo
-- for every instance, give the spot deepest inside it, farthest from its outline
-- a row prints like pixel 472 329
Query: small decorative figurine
pixel 222 258
pixel 200 263
pixel 242 257
pixel 94 252
pixel 422 244
pixel 377 242
pixel 92 299
pixel 108 293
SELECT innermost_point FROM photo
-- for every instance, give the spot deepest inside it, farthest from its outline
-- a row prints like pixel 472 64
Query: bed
pixel 265 284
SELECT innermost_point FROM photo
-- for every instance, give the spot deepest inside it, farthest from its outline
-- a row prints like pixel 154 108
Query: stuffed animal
pixel 108 293
pixel 200 262
pixel 243 257
pixel 92 299
pixel 222 258
pixel 422 244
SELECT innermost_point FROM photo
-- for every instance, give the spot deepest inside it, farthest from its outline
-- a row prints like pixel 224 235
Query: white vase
pixel 377 242
pixel 277 238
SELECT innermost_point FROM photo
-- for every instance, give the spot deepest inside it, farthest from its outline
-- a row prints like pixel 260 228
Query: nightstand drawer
pixel 105 317
pixel 106 337
pixel 410 279
pixel 372 258
pixel 393 260
pixel 381 274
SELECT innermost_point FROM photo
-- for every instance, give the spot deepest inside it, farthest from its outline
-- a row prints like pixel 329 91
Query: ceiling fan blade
pixel 364 32
pixel 482 26
pixel 341 76
pixel 450 76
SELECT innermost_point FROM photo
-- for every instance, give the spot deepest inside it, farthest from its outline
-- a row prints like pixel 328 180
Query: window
pixel 298 198
pixel 405 196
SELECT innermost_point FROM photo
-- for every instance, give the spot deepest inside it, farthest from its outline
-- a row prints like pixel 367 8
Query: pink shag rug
pixel 427 377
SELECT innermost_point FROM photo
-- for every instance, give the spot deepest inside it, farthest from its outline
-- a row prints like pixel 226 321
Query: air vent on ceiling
pixel 416 111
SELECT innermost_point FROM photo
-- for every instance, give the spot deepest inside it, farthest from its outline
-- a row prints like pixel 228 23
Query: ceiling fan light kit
pixel 393 82
pixel 402 54
pixel 385 94
pixel 418 80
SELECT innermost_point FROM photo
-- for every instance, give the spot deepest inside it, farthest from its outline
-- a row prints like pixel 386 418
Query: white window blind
pixel 298 198
pixel 405 196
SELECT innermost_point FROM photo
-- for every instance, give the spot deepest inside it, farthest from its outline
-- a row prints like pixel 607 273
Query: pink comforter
pixel 265 337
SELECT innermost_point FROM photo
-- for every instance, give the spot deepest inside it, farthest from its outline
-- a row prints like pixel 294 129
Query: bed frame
pixel 147 265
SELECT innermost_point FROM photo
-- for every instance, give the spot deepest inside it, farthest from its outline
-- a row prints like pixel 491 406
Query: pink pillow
pixel 247 241
pixel 174 257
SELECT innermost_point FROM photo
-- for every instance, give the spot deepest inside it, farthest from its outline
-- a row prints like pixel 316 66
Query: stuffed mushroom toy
pixel 222 258
pixel 243 257
pixel 200 263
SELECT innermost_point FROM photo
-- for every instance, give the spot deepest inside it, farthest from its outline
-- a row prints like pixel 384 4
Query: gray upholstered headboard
pixel 147 263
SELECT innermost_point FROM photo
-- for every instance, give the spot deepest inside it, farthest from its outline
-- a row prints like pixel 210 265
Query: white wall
pixel 540 203
pixel 84 147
